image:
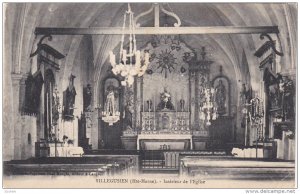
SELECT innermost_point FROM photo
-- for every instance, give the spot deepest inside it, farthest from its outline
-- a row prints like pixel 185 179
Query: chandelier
pixel 208 111
pixel 131 61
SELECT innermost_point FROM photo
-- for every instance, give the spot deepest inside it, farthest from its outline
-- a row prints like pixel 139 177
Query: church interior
pixel 189 89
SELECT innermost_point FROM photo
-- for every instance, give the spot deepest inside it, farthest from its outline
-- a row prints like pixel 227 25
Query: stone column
pixel 95 130
pixel 192 99
pixel 16 78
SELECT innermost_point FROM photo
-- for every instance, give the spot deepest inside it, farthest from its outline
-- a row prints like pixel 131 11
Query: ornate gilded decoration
pixel 166 61
pixel 162 50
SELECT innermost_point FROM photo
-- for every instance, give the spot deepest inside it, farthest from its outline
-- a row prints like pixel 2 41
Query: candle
pixel 143 106
pixel 137 59
pixel 146 58
pixel 112 58
pixel 50 105
pixel 154 108
pixel 124 57
pixel 47 120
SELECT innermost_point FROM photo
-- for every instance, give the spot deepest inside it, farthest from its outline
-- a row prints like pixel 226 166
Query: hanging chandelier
pixel 208 111
pixel 131 61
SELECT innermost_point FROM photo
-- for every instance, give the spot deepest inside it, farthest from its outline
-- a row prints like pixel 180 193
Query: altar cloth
pixel 66 152
pixel 164 137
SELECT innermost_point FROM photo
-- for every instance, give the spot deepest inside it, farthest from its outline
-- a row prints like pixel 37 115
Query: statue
pixel 165 101
pixel 33 89
pixel 286 92
pixel 220 97
pixel 87 98
pixel 69 99
pixel 182 102
pixel 55 107
pixel 245 94
pixel 110 101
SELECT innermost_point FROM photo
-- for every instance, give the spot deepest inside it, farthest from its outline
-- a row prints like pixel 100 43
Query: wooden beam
pixel 159 30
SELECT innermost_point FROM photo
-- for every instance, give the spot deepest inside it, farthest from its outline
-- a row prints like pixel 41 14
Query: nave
pixel 118 89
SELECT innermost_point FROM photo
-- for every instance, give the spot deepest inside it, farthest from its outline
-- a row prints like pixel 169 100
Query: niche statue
pixel 110 102
pixel 87 98
pixel 286 89
pixel 221 97
pixel 69 99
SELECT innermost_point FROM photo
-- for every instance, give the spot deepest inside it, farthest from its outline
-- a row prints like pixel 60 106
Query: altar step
pixel 158 166
pixel 160 171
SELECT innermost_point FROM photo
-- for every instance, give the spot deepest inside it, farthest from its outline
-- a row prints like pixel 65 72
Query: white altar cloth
pixel 66 151
pixel 164 137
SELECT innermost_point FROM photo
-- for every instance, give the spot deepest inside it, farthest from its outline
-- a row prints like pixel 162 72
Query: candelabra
pixel 208 111
pixel 247 115
pixel 56 107
pixel 257 115
pixel 131 63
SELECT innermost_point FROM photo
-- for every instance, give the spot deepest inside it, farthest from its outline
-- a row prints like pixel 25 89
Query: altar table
pixel 157 137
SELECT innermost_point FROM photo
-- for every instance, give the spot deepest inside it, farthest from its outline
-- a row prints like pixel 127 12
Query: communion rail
pixel 169 160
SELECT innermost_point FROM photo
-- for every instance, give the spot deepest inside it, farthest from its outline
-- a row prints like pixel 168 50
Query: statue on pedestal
pixel 221 97
pixel 87 98
pixel 110 101
pixel 286 92
pixel 69 99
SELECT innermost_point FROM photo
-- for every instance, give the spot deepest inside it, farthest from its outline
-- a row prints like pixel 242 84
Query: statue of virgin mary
pixel 110 101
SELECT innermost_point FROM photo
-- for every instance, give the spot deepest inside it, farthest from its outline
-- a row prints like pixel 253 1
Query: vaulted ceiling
pixel 227 50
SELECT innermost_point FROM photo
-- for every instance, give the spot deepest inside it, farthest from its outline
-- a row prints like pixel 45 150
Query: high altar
pixel 176 114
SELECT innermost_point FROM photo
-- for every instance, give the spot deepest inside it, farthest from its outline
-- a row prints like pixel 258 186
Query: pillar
pixel 16 78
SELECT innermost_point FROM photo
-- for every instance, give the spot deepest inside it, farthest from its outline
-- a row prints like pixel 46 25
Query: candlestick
pixel 138 59
pixel 154 103
pixel 146 58
pixel 124 57
pixel 112 58
pixel 47 121
pixel 50 105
